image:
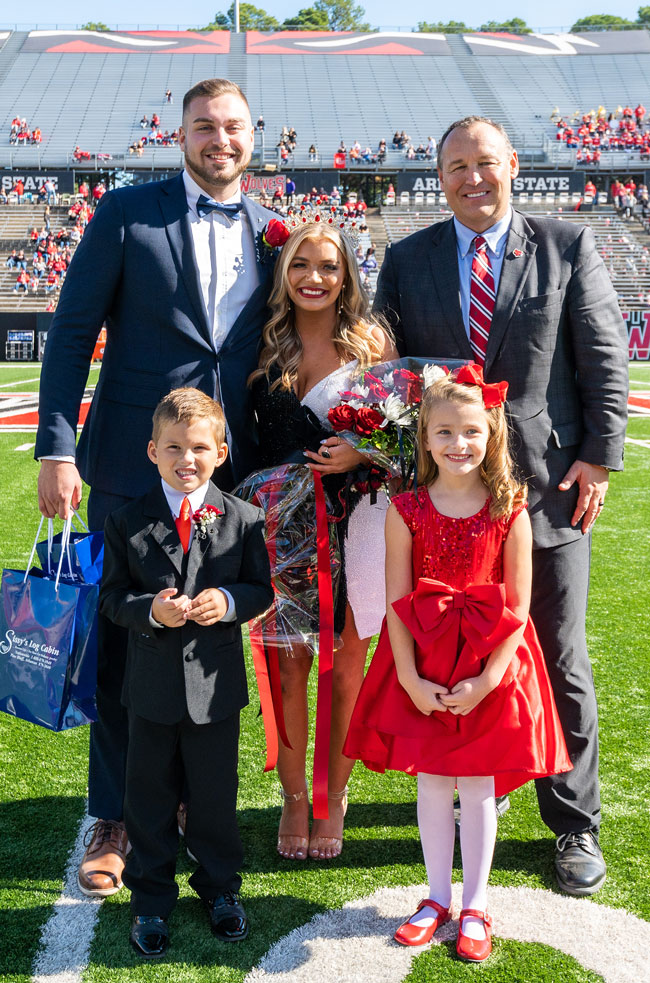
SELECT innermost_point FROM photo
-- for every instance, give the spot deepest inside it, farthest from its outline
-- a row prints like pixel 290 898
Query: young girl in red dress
pixel 457 692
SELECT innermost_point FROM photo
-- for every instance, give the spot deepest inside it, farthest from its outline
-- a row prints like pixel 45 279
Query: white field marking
pixel 639 443
pixel 21 382
pixel 355 942
pixel 67 935
pixel 13 401
pixel 638 411
pixel 24 447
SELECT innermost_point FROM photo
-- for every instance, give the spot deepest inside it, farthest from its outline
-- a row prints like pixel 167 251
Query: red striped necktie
pixel 184 524
pixel 482 296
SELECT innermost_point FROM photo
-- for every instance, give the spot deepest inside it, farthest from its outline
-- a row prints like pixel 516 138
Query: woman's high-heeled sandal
pixel 334 843
pixel 293 846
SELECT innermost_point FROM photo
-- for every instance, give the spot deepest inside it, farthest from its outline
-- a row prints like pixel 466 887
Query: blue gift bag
pixel 48 647
pixel 84 556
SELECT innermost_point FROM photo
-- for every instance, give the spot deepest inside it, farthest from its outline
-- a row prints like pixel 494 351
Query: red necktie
pixel 184 525
pixel 481 300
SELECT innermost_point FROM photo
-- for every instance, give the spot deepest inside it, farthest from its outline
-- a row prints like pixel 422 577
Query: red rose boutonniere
pixel 203 519
pixel 271 238
pixel 275 234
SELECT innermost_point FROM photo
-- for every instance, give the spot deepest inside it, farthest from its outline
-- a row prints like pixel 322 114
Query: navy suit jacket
pixel 193 669
pixel 557 337
pixel 135 270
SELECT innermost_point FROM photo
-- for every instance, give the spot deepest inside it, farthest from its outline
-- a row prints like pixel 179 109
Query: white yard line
pixel 639 443
pixel 21 382
pixel 67 935
pixel 24 447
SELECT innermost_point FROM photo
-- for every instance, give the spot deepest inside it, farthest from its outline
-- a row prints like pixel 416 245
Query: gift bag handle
pixel 65 548
pixel 31 555
pixel 81 522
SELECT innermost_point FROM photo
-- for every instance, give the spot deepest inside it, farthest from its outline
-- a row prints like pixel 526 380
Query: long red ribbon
pixel 325 656
pixel 266 698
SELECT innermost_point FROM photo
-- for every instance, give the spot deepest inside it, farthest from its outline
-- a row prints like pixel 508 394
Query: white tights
pixel 478 831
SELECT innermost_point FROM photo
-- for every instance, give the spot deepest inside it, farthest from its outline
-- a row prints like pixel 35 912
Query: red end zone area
pixel 19 412
pixel 639 402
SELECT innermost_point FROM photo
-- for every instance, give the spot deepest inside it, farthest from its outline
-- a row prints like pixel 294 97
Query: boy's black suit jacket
pixel 195 670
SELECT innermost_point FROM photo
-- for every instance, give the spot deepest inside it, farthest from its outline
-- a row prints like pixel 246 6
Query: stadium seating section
pixel 90 90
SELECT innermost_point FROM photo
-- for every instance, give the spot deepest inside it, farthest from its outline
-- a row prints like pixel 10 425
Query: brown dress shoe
pixel 100 871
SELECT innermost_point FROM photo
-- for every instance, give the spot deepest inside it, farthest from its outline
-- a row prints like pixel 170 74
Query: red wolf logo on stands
pixel 638 327
pixel 267 185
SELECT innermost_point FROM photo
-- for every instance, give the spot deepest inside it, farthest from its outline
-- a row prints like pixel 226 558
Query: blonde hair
pixel 353 337
pixel 184 406
pixel 496 468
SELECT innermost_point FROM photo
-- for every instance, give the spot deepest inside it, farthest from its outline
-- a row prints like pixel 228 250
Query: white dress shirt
pixel 196 499
pixel 224 250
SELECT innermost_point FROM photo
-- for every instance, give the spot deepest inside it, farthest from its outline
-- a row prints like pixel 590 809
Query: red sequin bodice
pixel 459 552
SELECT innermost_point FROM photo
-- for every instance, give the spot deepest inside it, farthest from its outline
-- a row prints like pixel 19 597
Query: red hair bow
pixel 494 393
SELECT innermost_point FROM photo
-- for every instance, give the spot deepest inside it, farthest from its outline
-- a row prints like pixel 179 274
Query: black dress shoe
pixel 149 936
pixel 579 864
pixel 228 919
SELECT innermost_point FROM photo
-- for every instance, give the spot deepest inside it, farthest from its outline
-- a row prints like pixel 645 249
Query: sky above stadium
pixel 554 15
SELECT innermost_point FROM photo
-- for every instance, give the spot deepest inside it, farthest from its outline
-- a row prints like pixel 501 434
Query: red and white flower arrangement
pixel 203 519
pixel 378 415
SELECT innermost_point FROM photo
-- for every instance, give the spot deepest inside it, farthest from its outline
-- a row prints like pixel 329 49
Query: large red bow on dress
pixel 455 630
pixel 494 393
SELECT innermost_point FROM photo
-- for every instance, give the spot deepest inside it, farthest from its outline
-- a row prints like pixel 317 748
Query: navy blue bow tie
pixel 205 205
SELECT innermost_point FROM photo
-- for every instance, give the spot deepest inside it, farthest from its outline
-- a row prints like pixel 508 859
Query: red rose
pixel 376 388
pixel 408 386
pixel 368 420
pixel 342 417
pixel 276 233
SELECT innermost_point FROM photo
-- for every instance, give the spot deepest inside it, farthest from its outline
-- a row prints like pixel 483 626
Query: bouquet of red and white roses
pixel 378 415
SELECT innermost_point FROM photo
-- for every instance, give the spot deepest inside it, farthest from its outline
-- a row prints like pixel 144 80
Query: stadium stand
pixel 95 98
pixel 90 90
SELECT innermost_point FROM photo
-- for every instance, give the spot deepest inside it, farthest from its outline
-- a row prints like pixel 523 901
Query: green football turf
pixel 44 786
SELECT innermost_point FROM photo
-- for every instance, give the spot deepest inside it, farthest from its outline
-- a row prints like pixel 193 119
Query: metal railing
pixel 33 157
pixel 405 28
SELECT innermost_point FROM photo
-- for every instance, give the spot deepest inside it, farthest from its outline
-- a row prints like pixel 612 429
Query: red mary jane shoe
pixel 474 950
pixel 409 934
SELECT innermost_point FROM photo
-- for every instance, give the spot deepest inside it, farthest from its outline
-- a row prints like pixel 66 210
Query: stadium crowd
pixel 589 133
pixel 21 134
pixel 42 264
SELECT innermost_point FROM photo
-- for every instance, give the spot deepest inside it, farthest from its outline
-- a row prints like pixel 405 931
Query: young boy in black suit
pixel 184 567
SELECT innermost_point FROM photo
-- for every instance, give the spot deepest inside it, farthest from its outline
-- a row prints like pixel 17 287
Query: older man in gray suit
pixel 542 314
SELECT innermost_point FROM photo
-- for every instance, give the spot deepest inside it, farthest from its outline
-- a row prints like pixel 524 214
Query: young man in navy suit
pixel 185 565
pixel 181 285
